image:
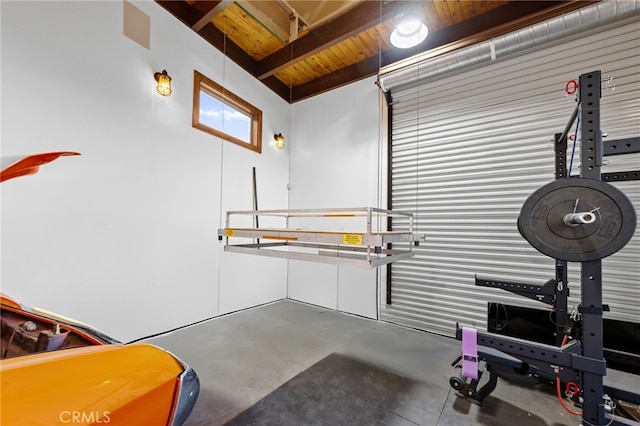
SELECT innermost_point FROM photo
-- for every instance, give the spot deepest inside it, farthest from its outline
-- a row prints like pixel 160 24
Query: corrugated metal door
pixel 466 152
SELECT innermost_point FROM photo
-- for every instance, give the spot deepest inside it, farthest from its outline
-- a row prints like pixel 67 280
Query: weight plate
pixel 558 219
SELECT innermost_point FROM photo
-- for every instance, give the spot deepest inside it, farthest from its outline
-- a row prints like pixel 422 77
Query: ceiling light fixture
pixel 410 32
pixel 163 83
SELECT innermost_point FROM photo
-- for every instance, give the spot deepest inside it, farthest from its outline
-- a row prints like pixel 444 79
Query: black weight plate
pixel 541 220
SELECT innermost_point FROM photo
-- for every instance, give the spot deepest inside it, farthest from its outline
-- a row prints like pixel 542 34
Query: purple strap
pixel 469 353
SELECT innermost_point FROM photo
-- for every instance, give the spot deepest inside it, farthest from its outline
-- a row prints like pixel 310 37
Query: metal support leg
pixel 591 275
pixel 592 338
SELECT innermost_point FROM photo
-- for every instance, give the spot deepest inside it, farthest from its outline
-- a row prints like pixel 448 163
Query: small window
pixel 223 114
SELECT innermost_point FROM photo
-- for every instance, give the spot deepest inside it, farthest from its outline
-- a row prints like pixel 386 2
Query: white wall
pixel 124 237
pixel 334 164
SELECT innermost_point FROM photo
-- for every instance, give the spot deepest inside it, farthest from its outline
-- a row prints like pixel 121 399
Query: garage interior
pixel 505 108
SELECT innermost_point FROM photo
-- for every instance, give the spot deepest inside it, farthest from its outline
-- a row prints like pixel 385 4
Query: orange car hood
pixel 106 381
pixel 6 300
pixel 12 166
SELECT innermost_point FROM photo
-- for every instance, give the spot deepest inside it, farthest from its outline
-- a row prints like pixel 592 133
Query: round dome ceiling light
pixel 410 32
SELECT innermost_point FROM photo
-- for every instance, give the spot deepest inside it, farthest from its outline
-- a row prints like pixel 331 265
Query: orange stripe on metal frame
pixel 271 237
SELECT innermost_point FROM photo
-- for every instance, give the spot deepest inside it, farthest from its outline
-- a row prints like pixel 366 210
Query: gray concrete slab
pixel 378 373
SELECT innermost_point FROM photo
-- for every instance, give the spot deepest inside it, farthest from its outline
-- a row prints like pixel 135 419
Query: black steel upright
pixel 591 272
pixel 561 302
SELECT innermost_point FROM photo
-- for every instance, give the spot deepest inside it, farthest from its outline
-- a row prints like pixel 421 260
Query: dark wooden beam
pixel 279 88
pixel 350 74
pixel 231 50
pixel 188 14
pixel 361 17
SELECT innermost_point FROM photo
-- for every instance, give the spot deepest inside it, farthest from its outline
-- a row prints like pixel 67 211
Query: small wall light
pixel 163 81
pixel 279 140
pixel 410 32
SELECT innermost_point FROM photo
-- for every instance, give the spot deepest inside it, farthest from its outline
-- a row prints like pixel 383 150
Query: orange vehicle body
pixel 54 370
pixel 114 384
pixel 61 372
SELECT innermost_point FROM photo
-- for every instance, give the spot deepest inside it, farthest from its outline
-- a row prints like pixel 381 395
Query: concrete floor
pixel 376 373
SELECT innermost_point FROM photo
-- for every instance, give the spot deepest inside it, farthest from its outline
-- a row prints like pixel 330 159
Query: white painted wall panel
pixel 353 285
pixel 123 234
pixel 334 163
pixel 315 283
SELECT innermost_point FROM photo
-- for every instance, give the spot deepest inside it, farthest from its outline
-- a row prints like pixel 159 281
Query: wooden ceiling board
pixel 334 56
pixel 455 11
pixel 341 55
pixel 472 8
pixel 355 50
pixel 442 18
pixel 247 32
pixel 368 43
pixel 271 14
pixel 440 14
pixel 292 76
pixel 431 16
pixel 306 71
pixel 348 53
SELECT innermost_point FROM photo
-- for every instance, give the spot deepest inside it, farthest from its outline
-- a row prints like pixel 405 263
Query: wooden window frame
pixel 202 83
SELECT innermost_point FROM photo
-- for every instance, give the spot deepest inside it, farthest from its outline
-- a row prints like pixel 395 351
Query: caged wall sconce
pixel 163 83
pixel 279 140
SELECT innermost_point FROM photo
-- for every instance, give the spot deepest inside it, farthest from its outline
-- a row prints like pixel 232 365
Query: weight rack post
pixel 561 302
pixel 593 412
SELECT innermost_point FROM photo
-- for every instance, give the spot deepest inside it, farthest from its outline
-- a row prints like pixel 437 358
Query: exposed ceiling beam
pixel 361 17
pixel 208 16
pixel 189 14
pixel 279 88
pixel 350 74
pixel 231 50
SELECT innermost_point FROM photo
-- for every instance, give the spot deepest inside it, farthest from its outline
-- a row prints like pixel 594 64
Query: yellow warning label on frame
pixel 229 232
pixel 353 239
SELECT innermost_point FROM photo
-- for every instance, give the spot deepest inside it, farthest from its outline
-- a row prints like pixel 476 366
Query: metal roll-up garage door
pixel 467 149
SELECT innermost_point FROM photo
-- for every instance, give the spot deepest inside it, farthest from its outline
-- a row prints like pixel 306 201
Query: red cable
pixel 569 410
pixel 572 389
pixel 565 339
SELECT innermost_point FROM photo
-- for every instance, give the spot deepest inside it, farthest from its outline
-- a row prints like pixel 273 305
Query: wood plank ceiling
pixel 301 48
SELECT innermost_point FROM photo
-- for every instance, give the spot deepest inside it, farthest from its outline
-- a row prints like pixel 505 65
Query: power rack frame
pixel 580 360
